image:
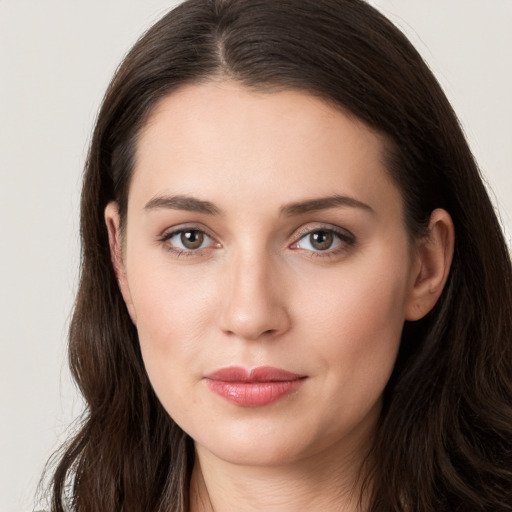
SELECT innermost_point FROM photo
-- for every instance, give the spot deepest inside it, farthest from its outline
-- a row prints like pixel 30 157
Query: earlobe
pixel 434 255
pixel 112 222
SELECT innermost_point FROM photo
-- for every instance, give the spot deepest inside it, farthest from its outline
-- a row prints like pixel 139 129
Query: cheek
pixel 361 297
pixel 173 317
pixel 350 335
pixel 358 317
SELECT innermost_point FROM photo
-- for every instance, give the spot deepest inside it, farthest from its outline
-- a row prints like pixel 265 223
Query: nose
pixel 255 303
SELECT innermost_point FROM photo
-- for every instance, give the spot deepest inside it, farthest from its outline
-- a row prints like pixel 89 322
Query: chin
pixel 260 443
pixel 262 453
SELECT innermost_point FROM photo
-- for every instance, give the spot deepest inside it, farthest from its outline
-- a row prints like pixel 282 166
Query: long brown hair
pixel 444 441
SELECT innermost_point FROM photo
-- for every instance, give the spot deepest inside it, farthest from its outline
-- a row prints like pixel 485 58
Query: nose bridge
pixel 254 302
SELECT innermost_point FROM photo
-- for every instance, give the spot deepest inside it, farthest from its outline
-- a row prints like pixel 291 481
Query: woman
pixel 295 293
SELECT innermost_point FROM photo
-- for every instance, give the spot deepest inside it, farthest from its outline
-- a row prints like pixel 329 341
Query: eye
pixel 188 240
pixel 318 241
pixel 324 240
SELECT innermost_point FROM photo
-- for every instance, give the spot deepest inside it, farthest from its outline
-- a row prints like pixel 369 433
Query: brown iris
pixel 321 240
pixel 192 239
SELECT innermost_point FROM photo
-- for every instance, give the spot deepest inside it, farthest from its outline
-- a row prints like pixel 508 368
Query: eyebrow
pixel 192 204
pixel 323 203
pixel 179 202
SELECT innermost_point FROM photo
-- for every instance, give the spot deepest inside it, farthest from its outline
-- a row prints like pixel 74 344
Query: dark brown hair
pixel 444 441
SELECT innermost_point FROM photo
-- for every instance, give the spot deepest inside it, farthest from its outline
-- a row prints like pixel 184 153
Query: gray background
pixel 56 58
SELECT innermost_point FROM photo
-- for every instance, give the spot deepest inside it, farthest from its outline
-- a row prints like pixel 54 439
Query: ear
pixel 434 255
pixel 112 221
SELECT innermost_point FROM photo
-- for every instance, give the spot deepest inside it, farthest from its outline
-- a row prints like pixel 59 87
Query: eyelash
pixel 186 252
pixel 345 238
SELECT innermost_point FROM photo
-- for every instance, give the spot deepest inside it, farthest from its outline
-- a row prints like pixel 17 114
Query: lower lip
pixel 254 394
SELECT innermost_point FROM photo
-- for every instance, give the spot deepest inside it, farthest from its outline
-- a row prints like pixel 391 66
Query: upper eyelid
pixel 170 232
pixel 307 229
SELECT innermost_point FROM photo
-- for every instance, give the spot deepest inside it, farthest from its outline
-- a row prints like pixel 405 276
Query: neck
pixel 326 481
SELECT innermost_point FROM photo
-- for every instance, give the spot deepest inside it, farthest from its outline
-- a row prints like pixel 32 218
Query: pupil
pixel 192 239
pixel 321 240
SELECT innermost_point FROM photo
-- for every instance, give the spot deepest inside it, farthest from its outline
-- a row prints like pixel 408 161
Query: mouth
pixel 253 388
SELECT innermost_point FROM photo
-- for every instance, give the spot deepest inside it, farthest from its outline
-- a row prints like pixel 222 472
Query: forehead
pixel 225 142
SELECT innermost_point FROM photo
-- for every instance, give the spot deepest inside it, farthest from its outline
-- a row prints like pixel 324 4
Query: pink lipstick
pixel 253 388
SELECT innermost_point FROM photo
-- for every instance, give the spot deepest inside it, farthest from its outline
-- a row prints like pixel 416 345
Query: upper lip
pixel 260 374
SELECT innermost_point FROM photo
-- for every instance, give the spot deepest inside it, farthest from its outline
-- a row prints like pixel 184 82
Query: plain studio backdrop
pixel 56 59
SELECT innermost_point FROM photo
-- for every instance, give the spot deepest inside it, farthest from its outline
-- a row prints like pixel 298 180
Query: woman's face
pixel 263 233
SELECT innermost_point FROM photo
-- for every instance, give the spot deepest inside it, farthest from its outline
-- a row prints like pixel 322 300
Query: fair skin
pixel 261 276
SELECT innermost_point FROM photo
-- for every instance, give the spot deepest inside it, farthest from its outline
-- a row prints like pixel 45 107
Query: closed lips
pixel 260 374
pixel 253 388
